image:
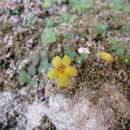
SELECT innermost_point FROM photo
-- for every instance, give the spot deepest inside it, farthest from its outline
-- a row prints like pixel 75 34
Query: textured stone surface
pixel 87 110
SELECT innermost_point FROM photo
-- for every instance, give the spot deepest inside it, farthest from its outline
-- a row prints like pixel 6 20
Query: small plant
pixel 28 72
pixel 62 71
pixel 49 35
pixel 39 63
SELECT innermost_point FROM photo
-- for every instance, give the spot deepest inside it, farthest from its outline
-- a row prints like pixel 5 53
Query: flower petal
pixel 63 80
pixel 57 61
pixel 52 74
pixel 105 56
pixel 66 60
pixel 71 71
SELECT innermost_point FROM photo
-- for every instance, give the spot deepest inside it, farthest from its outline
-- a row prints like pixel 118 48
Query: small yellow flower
pixel 105 56
pixel 62 71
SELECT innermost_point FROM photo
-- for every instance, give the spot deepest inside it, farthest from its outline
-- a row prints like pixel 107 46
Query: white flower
pixel 83 50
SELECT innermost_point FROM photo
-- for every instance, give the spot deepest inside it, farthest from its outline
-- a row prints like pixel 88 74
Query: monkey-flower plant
pixel 62 71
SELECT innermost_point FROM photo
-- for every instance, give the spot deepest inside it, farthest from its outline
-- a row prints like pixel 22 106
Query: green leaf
pixel 31 70
pixel 80 5
pixel 17 10
pixel 120 51
pixel 113 40
pixel 69 35
pixel 18 62
pixel 33 82
pixel 49 36
pixel 69 52
pixel 100 28
pixel 81 58
pixel 127 8
pixel 35 60
pixel 45 65
pixel 47 4
pixel 84 34
pixel 68 18
pixel 117 46
pixel 43 82
pixel 24 77
pixel 49 22
pixel 31 20
pixel 126 28
pixel 117 4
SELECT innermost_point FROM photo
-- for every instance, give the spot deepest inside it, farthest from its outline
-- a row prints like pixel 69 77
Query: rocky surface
pixel 88 109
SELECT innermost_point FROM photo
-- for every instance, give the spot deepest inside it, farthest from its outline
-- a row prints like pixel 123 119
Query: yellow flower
pixel 62 71
pixel 105 56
